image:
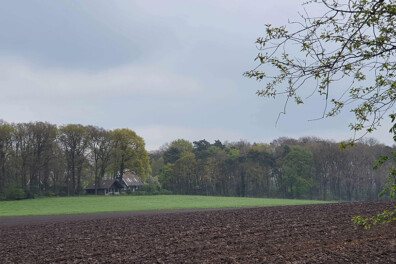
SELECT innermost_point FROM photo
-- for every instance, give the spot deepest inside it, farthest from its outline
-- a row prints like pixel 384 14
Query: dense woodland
pixel 43 159
pixel 307 168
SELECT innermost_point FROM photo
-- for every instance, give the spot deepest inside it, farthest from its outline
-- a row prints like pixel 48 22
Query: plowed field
pixel 290 234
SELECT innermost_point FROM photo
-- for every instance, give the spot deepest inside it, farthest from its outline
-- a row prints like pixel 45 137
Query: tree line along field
pixel 308 168
pixel 39 158
pixel 96 204
pixel 42 159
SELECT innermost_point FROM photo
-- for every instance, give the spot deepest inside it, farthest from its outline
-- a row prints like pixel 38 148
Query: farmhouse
pixel 106 187
pixel 131 181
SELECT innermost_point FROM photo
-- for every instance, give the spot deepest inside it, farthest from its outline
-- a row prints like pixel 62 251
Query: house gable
pixel 131 181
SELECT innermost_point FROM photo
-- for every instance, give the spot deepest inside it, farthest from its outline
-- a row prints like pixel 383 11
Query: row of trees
pixel 41 158
pixel 305 168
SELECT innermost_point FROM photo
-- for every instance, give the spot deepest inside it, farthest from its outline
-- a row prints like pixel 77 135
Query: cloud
pixel 21 80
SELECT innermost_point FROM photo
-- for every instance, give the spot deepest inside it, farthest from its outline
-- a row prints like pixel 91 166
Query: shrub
pixel 49 193
pixel 150 187
pixel 155 192
pixel 14 193
pixel 138 193
pixel 165 192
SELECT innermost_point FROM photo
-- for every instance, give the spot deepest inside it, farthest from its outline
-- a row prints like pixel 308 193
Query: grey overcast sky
pixel 166 69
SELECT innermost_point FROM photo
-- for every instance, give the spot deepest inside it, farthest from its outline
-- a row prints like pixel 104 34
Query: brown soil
pixel 291 234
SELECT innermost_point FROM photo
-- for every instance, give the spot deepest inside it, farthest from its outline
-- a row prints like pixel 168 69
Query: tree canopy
pixel 39 158
pixel 307 168
pixel 347 54
pixel 350 48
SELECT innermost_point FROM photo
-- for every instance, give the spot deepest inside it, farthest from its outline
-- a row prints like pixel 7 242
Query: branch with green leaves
pixel 351 47
pixel 386 216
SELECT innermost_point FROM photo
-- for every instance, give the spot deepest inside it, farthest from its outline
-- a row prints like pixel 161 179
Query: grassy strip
pixel 95 204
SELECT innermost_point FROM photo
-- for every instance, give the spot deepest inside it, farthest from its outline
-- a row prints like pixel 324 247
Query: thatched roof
pixel 104 184
pixel 131 179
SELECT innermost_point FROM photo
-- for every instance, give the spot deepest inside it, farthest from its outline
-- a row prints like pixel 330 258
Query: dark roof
pixel 104 184
pixel 131 179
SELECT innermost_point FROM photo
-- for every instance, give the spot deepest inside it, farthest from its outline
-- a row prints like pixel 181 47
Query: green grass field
pixel 95 204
